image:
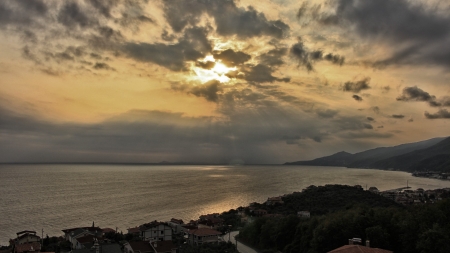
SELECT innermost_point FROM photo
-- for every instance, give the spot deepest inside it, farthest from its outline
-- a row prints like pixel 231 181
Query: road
pixel 240 247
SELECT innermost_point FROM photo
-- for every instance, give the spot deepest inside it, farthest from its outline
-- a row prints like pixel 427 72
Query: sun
pixel 218 72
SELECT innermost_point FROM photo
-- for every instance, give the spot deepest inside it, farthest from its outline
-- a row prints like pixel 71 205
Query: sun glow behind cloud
pixel 217 72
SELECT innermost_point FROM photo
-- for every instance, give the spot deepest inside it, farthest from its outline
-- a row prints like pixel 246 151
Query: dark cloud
pixel 208 90
pixel 370 119
pixel 415 94
pixel 357 86
pixel 273 57
pixel 261 74
pixel 421 35
pixel 441 114
pixel 192 46
pixel 231 58
pixel 411 120
pixel 398 116
pixel 205 65
pixel 21 12
pixel 335 59
pixel 380 126
pixel 103 66
pixel 368 126
pixel 328 113
pixel 357 98
pixel 375 109
pixel 72 15
pixel 229 19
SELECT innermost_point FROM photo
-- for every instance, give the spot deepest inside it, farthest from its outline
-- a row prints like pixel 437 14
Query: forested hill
pixel 320 200
pixel 339 213
pixel 433 154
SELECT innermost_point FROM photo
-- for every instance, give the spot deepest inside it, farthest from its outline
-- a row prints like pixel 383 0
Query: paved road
pixel 241 247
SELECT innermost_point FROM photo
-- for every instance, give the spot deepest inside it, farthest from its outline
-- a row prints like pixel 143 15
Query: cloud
pixel 397 116
pixel 357 98
pixel 231 58
pixel 72 15
pixel 357 86
pixel 328 113
pixel 208 90
pixel 102 65
pixel 370 119
pixel 261 73
pixel 417 94
pixel 441 114
pixel 375 109
pixel 273 57
pixel 307 58
pixel 420 34
pixel 192 46
pixel 229 19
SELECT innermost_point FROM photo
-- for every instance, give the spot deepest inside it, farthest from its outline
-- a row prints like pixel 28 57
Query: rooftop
pixel 358 249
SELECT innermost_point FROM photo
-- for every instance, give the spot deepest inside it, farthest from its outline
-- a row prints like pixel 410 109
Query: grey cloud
pixel 72 15
pixel 103 66
pixel 368 126
pixel 415 94
pixel 260 74
pixel 273 57
pixel 375 109
pixel 191 47
pixel 205 65
pixel 357 86
pixel 307 58
pixel 398 116
pixel 357 98
pixel 364 135
pixel 328 113
pixel 421 34
pixel 441 114
pixel 411 120
pixel 229 19
pixel 370 119
pixel 231 58
pixel 335 58
pixel 208 90
pixel 380 126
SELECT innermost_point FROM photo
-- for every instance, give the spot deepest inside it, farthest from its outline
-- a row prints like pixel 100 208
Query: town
pixel 176 236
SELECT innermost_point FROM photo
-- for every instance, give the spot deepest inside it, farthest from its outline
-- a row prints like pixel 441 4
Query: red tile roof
pixel 34 246
pixel 163 246
pixel 141 246
pixel 358 249
pixel 204 232
pixel 133 230
pixel 108 230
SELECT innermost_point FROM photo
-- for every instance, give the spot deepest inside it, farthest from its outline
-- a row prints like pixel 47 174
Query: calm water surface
pixel 55 197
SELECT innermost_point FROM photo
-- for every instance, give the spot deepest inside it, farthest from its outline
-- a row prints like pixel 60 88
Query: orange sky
pixel 219 81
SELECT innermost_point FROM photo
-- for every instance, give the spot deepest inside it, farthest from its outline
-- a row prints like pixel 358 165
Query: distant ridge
pixel 432 155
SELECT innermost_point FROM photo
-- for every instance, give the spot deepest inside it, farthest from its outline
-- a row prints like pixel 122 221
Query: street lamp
pixel 229 233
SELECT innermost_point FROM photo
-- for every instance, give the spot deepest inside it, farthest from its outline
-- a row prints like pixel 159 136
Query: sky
pixel 205 81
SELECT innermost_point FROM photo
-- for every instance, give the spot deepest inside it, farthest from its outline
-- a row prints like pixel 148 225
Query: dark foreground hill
pixel 433 154
pixel 414 229
pixel 320 200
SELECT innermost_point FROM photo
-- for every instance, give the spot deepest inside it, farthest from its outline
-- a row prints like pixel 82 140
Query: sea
pixel 49 198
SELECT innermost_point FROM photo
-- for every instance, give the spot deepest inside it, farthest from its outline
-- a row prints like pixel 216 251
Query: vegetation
pixel 421 229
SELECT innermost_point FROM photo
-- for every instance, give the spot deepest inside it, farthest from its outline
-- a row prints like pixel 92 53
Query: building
pixel 26 242
pixel 163 247
pixel 137 247
pixel 203 235
pixel 304 214
pixel 274 200
pixel 156 231
pixel 354 246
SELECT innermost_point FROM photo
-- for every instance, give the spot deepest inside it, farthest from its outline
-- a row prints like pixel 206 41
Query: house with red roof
pixel 354 246
pixel 203 235
pixel 156 231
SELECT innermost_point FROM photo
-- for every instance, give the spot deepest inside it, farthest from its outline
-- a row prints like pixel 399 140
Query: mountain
pixel 433 154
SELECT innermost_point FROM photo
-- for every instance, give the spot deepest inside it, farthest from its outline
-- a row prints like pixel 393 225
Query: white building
pixel 156 231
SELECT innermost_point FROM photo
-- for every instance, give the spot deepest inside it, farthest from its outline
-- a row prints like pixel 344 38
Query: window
pixel 162 232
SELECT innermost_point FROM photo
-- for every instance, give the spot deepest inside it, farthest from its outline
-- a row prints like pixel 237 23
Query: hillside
pixel 433 154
